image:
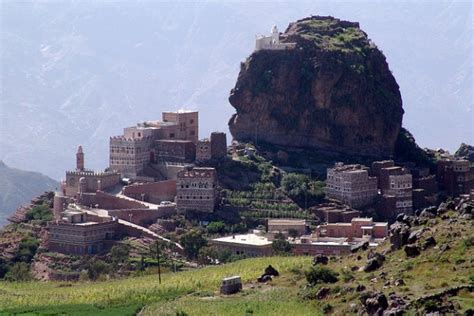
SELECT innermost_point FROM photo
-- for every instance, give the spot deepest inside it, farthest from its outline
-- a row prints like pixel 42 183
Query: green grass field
pixel 196 292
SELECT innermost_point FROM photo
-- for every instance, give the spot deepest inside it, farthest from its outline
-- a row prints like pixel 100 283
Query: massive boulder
pixel 465 151
pixel 333 92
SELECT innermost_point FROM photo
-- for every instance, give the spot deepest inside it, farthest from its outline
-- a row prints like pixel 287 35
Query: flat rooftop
pixel 286 222
pixel 245 239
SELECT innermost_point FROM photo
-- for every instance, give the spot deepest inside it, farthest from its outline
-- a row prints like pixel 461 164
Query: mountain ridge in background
pixel 80 72
pixel 18 187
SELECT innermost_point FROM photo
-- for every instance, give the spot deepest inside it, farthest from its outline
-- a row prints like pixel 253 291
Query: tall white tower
pixel 275 35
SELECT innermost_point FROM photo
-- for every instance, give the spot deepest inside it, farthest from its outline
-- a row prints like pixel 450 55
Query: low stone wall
pixel 143 217
pixel 312 249
pixel 154 192
pixel 110 202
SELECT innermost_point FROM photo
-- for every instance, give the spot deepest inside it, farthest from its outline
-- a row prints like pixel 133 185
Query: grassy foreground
pixel 128 296
pixel 195 292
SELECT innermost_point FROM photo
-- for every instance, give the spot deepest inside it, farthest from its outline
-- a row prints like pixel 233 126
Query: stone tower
pixel 80 159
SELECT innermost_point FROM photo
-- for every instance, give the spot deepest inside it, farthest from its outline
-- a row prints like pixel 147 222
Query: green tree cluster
pixel 301 189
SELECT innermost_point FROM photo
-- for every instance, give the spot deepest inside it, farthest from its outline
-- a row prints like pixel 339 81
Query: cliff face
pixel 333 92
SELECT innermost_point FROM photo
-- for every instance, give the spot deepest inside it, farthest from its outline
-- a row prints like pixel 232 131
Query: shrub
pixel 40 212
pixel 19 272
pixel 320 274
pixel 119 254
pixel 27 249
pixel 192 242
pixel 216 228
pixel 302 189
pixel 327 308
pixel 97 268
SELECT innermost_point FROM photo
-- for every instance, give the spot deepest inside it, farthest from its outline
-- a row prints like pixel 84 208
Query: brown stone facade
pixel 218 145
pixel 455 176
pixel 335 214
pixel 357 228
pixel 173 151
pixel 132 151
pixel 196 190
pixel 129 156
pixel 203 150
pixel 81 239
pixel 187 122
pixel 284 226
pixel 398 182
pixel 351 185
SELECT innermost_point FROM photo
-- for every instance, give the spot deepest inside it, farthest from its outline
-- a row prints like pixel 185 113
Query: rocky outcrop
pixel 465 151
pixel 333 92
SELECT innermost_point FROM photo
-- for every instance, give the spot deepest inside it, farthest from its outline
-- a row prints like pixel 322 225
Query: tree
pixel 280 245
pixel 320 274
pixel 119 254
pixel 192 242
pixel 207 255
pixel 304 191
pixel 40 212
pixel 19 272
pixel 27 249
pixel 216 227
pixel 96 268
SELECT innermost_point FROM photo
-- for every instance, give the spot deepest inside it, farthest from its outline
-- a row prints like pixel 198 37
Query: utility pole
pixel 158 259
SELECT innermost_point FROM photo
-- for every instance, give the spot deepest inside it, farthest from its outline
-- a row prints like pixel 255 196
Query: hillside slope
pixel 18 187
pixel 406 281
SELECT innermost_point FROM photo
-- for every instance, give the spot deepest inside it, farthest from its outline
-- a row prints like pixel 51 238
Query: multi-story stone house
pixel 131 152
pixel 351 184
pixel 196 190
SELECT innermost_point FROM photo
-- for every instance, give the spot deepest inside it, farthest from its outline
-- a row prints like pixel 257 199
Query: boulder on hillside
pixel 320 259
pixel 363 245
pixel 321 95
pixel 465 151
pixel 412 250
pixel 271 271
pixel 429 242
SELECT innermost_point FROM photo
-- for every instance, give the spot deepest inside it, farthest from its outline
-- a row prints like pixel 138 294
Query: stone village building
pixel 455 176
pixel 351 184
pixel 196 190
pixel 329 239
pixel 394 182
pixel 89 180
pixel 131 152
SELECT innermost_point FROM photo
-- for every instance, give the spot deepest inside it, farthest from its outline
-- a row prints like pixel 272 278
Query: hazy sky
pixel 78 72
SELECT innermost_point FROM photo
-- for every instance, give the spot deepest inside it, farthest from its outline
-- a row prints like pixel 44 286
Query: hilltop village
pixel 162 169
pixel 324 171
pixel 158 169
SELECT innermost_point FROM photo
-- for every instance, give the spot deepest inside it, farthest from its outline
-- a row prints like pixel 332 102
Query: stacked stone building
pixel 396 185
pixel 131 152
pixel 213 148
pixel 352 185
pixel 196 190
pixel 455 176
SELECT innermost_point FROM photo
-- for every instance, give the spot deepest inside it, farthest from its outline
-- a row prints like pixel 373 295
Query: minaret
pixel 80 159
pixel 275 35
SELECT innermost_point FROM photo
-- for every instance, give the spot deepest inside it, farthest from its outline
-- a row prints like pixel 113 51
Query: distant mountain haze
pixel 18 187
pixel 78 72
